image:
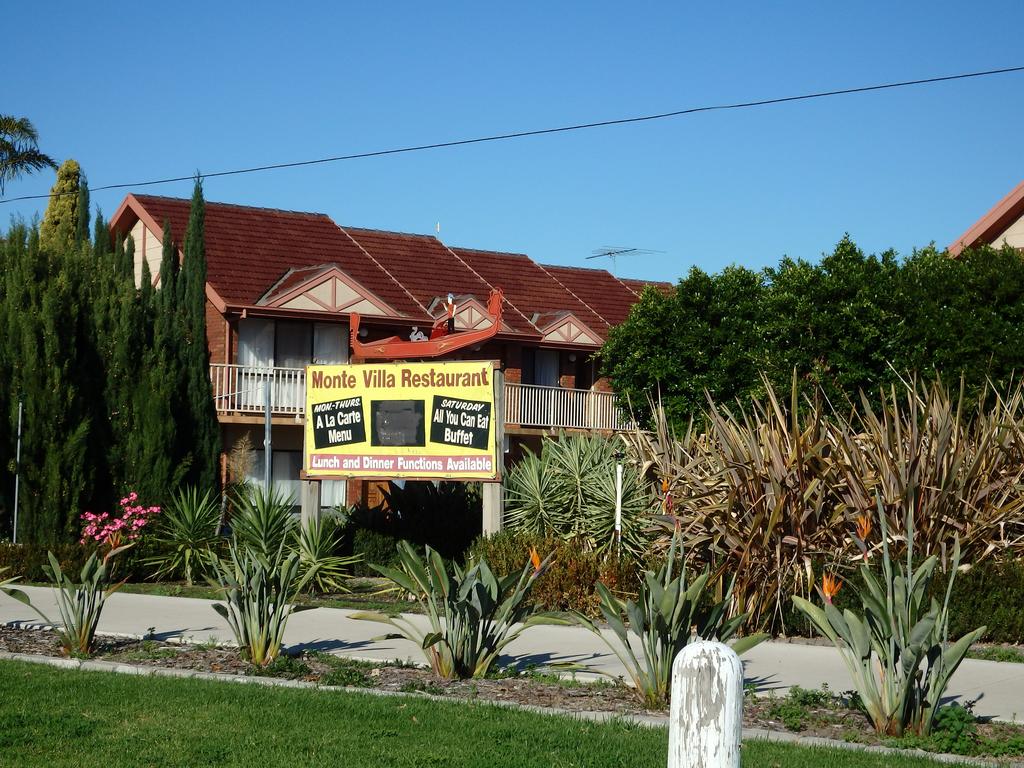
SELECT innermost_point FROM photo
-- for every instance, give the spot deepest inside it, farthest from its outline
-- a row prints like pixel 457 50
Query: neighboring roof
pixel 989 227
pixel 599 289
pixel 262 256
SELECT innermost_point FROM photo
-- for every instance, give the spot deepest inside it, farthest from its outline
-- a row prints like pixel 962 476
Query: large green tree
pixel 852 322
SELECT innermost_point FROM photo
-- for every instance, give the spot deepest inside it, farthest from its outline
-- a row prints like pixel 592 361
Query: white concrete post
pixel 493 508
pixel 310 502
pixel 706 717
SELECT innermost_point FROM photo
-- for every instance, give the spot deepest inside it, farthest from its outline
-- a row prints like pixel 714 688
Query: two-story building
pixel 281 285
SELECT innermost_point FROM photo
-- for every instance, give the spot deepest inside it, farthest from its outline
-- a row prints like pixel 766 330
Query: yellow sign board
pixel 401 420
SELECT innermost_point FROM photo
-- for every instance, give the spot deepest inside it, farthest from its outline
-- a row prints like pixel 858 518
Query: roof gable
pixel 992 225
pixel 325 288
pixel 566 328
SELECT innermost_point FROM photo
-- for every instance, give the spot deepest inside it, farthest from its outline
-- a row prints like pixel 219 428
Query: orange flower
pixel 863 531
pixel 664 485
pixel 830 586
pixel 864 526
pixel 534 559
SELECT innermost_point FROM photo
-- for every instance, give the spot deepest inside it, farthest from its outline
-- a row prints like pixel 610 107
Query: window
pixel 284 475
pixel 540 366
pixel 290 344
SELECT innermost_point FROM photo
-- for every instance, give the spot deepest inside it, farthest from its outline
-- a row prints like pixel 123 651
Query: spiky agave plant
pixel 896 647
pixel 263 520
pixel 316 542
pixel 669 613
pixel 186 535
pixel 568 491
pixel 473 613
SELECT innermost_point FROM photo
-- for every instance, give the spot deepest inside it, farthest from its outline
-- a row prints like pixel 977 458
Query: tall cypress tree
pixel 47 338
pixel 60 222
pixel 204 432
pixel 82 213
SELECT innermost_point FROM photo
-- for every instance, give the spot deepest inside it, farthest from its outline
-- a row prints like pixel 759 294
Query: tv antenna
pixel 613 252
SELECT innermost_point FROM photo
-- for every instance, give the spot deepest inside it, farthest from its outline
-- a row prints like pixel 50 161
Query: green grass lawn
pixel 56 718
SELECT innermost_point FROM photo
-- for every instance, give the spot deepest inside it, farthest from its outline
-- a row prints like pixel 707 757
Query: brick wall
pixel 215 325
pixel 566 371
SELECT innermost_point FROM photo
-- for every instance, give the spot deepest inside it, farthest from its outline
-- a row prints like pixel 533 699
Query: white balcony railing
pixel 532 405
pixel 243 390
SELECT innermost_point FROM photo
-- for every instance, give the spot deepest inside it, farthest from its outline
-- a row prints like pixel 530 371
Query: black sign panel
pixel 466 423
pixel 338 422
pixel 396 423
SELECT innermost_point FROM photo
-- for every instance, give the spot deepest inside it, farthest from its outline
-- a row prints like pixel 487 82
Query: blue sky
pixel 149 90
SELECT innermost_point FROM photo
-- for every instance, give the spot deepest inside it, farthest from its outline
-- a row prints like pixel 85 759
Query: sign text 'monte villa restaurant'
pixel 403 420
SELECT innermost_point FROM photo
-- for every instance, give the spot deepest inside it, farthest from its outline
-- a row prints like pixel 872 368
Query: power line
pixel 541 131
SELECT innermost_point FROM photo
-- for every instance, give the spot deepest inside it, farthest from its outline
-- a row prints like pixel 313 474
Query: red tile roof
pixel 608 296
pixel 528 287
pixel 251 251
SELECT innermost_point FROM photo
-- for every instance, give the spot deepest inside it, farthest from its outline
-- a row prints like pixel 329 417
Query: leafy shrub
pixel 30 561
pixel 667 615
pixel 767 490
pixel 568 491
pixel 570 581
pixel 6 582
pixel 259 592
pixel 473 614
pixel 372 548
pixel 186 535
pixel 990 593
pixel 896 647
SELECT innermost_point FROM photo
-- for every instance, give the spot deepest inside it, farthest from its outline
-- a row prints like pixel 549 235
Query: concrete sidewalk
pixel 998 687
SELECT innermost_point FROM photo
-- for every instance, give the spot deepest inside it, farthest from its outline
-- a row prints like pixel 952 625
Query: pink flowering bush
pixel 117 530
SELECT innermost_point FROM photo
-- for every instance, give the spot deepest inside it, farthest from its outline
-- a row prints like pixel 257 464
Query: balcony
pixel 243 390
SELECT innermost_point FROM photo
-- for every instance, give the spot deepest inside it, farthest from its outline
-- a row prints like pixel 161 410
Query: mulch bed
pixel 576 697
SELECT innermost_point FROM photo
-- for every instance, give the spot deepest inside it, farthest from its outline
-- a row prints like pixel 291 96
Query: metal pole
pixel 266 433
pixel 17 478
pixel 618 499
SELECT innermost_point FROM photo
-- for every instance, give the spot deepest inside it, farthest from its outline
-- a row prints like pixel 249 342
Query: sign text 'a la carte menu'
pixel 426 420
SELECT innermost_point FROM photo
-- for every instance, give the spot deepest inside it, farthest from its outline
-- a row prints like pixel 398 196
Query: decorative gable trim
pixel 470 314
pixel 327 289
pixel 569 329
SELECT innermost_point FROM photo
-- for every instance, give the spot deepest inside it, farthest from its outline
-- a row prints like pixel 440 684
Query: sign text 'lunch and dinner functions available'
pixel 428 420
